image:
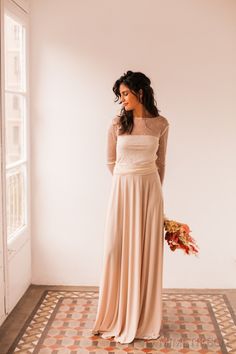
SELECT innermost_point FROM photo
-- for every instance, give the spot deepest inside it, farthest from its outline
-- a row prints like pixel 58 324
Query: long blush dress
pixel 130 291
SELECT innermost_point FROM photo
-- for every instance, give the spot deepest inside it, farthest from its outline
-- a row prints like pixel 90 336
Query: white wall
pixel 78 50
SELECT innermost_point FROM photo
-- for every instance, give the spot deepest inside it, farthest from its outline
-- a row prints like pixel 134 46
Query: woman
pixel 130 293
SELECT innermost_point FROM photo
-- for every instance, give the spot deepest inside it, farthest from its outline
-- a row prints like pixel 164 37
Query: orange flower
pixel 177 236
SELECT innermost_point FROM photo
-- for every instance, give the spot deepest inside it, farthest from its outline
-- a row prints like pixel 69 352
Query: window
pixel 15 125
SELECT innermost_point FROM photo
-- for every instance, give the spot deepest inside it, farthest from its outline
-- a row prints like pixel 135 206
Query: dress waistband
pixel 125 168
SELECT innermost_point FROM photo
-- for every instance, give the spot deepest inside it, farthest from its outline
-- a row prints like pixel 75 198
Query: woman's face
pixel 128 99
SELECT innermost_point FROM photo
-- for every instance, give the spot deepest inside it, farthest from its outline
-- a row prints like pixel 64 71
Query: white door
pixel 15 153
pixel 3 247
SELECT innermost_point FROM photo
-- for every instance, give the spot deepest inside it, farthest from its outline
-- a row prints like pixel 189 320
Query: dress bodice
pixel 141 151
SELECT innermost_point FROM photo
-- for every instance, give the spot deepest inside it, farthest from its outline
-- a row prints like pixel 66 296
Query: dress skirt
pixel 130 292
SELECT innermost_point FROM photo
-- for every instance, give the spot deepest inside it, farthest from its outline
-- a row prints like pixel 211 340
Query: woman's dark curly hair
pixel 135 81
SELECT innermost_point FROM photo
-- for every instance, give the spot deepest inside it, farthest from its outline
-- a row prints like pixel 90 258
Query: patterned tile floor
pixel 192 323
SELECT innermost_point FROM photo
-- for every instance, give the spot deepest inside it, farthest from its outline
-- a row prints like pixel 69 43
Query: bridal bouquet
pixel 177 236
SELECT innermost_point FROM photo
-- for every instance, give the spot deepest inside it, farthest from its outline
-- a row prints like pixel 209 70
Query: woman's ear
pixel 140 95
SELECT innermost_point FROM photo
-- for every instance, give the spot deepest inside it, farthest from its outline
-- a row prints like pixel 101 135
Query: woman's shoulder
pixel 115 120
pixel 158 125
pixel 113 125
pixel 162 120
pixel 163 124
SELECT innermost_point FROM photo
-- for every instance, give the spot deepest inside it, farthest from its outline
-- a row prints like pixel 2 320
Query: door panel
pixel 15 183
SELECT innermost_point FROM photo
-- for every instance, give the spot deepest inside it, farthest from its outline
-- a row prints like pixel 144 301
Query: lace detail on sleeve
pixel 161 151
pixel 111 144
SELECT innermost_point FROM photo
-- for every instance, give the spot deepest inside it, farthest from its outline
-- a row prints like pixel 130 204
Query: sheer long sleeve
pixel 111 145
pixel 161 151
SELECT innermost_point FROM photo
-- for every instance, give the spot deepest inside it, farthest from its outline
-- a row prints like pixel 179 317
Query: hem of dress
pixel 153 336
pixel 115 337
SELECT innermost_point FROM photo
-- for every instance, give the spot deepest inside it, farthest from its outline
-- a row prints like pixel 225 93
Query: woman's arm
pixel 111 145
pixel 161 151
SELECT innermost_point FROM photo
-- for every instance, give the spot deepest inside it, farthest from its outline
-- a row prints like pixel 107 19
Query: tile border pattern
pixel 31 335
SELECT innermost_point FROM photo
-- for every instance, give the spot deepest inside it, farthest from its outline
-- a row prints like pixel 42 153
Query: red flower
pixel 177 236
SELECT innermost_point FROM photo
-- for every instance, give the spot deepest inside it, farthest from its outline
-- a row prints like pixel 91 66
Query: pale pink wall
pixel 78 50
